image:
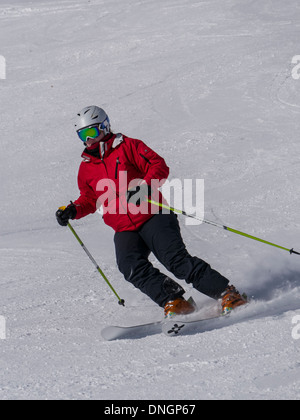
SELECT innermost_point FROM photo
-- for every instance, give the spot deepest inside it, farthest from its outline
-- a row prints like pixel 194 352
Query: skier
pixel 101 180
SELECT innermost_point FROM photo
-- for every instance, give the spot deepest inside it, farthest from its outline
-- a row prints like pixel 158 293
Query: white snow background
pixel 207 84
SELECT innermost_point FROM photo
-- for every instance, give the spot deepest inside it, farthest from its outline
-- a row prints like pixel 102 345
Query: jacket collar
pixel 105 148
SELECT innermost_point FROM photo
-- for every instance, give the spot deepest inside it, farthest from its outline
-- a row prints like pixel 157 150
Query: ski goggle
pixel 89 133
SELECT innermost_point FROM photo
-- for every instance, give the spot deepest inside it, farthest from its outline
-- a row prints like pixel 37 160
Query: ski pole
pixel 238 232
pixel 121 301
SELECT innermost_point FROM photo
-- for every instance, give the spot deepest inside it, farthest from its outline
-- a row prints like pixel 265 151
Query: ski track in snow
pixel 209 86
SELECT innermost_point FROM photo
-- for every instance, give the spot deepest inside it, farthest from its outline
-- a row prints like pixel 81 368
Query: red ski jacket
pixel 104 181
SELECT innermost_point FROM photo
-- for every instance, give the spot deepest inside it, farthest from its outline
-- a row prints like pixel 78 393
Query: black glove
pixel 137 194
pixel 64 214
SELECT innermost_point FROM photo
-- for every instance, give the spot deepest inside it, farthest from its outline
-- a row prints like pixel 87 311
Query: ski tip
pixel 109 333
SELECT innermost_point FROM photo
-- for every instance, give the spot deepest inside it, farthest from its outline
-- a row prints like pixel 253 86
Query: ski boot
pixel 179 306
pixel 231 299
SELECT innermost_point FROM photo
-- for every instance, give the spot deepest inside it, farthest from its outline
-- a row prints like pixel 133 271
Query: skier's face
pixel 91 142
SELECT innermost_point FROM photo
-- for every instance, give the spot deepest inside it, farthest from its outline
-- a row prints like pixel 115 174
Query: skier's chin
pixel 92 144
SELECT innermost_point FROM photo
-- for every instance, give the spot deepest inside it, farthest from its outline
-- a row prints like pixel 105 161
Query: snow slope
pixel 208 84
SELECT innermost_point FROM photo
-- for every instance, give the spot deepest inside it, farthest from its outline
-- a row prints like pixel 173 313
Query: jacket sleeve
pixel 86 203
pixel 151 165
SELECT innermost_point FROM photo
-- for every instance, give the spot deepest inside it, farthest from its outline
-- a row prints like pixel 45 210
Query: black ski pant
pixel 161 235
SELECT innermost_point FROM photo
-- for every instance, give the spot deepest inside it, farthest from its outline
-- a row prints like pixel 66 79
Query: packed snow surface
pixel 211 86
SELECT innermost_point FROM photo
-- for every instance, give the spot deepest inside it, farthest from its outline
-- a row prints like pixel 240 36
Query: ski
pixel 170 327
pixel 175 327
pixel 136 331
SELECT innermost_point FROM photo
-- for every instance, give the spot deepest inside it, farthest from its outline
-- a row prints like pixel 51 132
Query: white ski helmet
pixel 92 115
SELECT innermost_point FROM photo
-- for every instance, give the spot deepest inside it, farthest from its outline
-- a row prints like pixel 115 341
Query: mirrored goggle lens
pixel 89 132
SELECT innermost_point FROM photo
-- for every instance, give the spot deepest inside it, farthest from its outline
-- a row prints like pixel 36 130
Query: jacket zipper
pixel 117 165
